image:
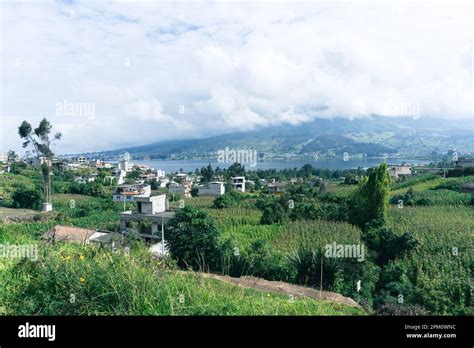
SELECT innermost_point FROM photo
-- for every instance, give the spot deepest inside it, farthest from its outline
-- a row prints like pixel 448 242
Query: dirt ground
pixel 17 215
pixel 284 288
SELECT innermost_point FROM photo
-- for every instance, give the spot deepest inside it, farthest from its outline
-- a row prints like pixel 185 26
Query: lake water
pixel 171 166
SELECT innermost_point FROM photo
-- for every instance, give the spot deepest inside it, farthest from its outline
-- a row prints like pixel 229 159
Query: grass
pixel 73 280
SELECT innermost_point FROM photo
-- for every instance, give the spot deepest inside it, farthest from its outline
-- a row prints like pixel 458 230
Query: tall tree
pixel 41 141
pixel 370 201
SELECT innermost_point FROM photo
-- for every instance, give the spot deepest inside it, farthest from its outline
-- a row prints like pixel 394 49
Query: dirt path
pixel 284 288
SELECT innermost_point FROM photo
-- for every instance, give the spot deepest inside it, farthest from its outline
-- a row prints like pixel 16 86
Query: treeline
pixel 305 172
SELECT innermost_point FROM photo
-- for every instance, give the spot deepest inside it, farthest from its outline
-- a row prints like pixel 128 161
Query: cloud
pixel 156 71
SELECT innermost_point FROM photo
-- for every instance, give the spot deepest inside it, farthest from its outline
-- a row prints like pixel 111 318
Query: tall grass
pixel 73 280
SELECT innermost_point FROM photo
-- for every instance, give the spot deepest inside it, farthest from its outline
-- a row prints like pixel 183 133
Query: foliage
pixel 370 201
pixel 75 280
pixel 230 198
pixel 40 139
pixel 193 239
pixel 27 197
pixel 387 245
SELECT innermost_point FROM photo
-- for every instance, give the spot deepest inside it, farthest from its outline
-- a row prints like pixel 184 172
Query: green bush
pixel 192 239
pixel 27 197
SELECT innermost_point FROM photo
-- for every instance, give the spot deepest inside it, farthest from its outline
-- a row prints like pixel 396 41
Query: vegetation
pixel 192 238
pixel 417 255
pixel 40 140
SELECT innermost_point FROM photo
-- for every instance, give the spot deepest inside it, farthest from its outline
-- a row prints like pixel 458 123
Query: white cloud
pixel 229 66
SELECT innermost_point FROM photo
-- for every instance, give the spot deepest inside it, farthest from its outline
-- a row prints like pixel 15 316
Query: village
pixel 149 191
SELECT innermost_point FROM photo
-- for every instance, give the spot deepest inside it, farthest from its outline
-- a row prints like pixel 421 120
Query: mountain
pixel 404 137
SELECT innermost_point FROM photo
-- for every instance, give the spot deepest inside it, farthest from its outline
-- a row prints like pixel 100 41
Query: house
pixel 59 165
pixel 238 183
pixel 128 193
pixel 160 173
pixel 182 177
pixel 39 161
pixel 399 171
pixel 125 163
pixel 96 164
pixel 81 160
pixel 177 188
pixel 153 212
pixel 68 234
pixel 277 187
pixel 215 188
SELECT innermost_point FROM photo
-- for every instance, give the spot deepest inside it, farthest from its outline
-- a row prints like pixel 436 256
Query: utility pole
pixel 162 238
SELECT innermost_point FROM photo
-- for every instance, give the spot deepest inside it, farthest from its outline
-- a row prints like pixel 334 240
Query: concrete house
pixel 215 189
pixel 128 193
pixel 399 171
pixel 81 160
pixel 277 187
pixel 160 173
pixel 177 188
pixel 238 183
pixel 153 212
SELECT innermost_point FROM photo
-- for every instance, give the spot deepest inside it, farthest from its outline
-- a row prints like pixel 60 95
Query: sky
pixel 121 73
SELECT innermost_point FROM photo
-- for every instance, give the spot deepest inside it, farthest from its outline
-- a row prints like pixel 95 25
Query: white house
pixel 128 193
pixel 81 160
pixel 153 209
pixel 160 173
pixel 397 171
pixel 215 188
pixel 238 183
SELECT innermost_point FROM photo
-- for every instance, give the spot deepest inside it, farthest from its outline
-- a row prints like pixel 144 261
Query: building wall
pixel 212 190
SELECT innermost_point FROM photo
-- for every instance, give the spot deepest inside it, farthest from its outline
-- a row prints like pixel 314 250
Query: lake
pixel 171 166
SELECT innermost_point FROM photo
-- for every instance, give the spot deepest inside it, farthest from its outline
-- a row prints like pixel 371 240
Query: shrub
pixel 387 245
pixel 192 238
pixel 27 197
